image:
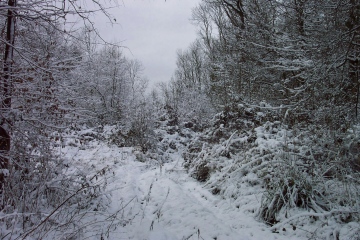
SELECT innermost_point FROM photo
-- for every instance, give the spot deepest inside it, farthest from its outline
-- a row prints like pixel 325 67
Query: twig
pixel 307 214
pixel 53 212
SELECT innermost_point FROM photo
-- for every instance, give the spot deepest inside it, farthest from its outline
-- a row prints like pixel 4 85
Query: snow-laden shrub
pixel 138 134
pixel 231 134
pixel 302 170
pixel 48 196
pixel 309 171
pixel 291 184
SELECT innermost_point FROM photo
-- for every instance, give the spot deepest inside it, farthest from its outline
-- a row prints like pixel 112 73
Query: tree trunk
pixel 7 88
pixel 353 25
pixel 8 56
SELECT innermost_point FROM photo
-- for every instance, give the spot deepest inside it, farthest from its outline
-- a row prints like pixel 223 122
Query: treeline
pixel 301 56
pixel 57 79
pixel 285 72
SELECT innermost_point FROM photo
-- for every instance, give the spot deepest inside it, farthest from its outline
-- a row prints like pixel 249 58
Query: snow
pixel 173 206
pixel 162 202
pixel 154 198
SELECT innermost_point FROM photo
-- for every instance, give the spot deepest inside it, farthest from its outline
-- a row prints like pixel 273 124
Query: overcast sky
pixel 153 30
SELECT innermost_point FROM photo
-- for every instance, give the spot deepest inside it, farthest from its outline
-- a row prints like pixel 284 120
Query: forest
pixel 260 117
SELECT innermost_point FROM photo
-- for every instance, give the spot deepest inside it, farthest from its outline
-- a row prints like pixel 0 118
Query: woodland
pixel 264 103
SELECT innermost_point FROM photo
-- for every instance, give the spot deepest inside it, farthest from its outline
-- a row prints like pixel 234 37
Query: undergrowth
pixel 47 196
pixel 295 169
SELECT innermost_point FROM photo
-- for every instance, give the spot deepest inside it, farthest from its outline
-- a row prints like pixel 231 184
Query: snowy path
pixel 171 205
pixel 168 204
pixel 144 202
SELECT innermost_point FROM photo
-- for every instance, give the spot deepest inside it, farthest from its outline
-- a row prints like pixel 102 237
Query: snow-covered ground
pixel 162 202
pixel 170 205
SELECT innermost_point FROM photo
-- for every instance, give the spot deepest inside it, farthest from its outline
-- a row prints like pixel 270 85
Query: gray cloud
pixel 153 30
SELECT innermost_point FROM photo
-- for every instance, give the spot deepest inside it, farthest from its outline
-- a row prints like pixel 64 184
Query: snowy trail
pixel 170 205
pixel 167 204
pixel 153 203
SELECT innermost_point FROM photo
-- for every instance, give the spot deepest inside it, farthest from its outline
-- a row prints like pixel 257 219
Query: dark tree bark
pixel 353 25
pixel 8 56
pixel 6 87
pixel 4 149
pixel 234 9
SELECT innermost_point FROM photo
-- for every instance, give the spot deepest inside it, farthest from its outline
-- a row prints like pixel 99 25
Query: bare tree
pixel 38 53
pixel 37 15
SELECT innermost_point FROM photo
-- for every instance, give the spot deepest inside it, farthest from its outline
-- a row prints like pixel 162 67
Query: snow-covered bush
pixel 289 184
pixel 137 130
pixel 49 195
pixel 230 133
pixel 297 170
